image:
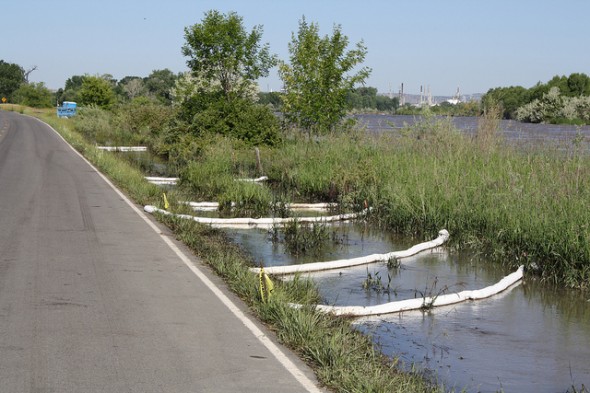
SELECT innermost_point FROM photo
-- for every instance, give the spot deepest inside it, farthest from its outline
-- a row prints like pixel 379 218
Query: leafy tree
pixel 270 98
pixel 11 77
pixel 362 98
pixel 386 104
pixel 559 82
pixel 131 87
pixel 121 84
pixel 219 95
pixel 71 89
pixel 556 108
pixel 578 84
pixel 97 91
pixel 35 95
pixel 317 80
pixel 367 98
pixel 240 119
pixel 160 84
pixel 509 99
pixel 74 82
pixel 220 49
pixel 192 94
pixel 143 117
pixel 202 106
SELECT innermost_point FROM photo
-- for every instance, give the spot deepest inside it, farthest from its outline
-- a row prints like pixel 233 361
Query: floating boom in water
pixel 443 236
pixel 425 302
pixel 256 222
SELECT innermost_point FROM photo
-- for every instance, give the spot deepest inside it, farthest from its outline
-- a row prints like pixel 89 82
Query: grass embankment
pixel 343 359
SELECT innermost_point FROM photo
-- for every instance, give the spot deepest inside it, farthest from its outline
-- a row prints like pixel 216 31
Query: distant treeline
pixel 359 99
pixel 561 100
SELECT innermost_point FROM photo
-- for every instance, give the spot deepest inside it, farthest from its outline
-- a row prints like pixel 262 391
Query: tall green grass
pixel 519 206
pixel 528 207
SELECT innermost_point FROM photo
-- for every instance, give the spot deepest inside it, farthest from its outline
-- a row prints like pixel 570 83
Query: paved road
pixel 93 299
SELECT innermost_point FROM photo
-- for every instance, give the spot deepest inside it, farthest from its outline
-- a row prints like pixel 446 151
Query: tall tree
pixel 220 49
pixel 578 84
pixel 74 82
pixel 11 77
pixel 133 87
pixel 319 77
pixel 97 91
pixel 160 84
pixel 509 99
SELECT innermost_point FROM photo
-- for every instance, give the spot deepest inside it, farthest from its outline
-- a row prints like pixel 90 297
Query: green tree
pixel 578 84
pixel 71 89
pixel 386 104
pixel 33 94
pixel 509 99
pixel 219 94
pixel 74 82
pixel 362 98
pixel 220 49
pixel 271 98
pixel 160 84
pixel 560 82
pixel 97 91
pixel 11 77
pixel 130 87
pixel 317 80
pixel 202 105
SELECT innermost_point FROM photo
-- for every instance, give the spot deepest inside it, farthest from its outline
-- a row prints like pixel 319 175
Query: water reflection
pixel 148 163
pixel 510 342
pixel 531 338
pixel 347 240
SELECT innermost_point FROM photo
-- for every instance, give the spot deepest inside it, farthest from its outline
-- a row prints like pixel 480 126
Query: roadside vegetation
pixel 210 126
pixel 344 359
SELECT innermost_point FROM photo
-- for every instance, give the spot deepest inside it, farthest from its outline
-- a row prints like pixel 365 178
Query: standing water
pixel 530 338
pixel 517 133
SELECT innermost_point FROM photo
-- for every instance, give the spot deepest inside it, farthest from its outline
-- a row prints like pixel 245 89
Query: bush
pixel 96 125
pixel 144 119
pixel 35 95
pixel 241 119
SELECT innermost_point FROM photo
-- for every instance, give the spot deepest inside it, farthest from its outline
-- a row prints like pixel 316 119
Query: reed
pixel 304 238
pixel 519 206
pixel 530 207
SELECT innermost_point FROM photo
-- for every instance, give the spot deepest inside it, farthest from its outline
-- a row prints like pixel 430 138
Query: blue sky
pixel 470 44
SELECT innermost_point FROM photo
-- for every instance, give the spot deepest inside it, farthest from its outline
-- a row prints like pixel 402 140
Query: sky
pixel 473 45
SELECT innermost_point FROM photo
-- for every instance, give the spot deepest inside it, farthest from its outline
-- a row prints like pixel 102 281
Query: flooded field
pixel 521 134
pixel 530 338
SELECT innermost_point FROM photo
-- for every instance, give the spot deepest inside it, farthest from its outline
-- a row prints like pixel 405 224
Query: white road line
pixel 297 373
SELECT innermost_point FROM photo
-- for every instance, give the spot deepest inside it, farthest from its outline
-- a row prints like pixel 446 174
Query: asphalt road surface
pixel 96 297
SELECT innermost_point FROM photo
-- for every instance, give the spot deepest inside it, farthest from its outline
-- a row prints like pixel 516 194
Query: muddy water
pixel 521 134
pixel 531 338
pixel 148 163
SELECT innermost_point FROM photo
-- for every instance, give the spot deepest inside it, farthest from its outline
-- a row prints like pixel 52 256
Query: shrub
pixel 241 119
